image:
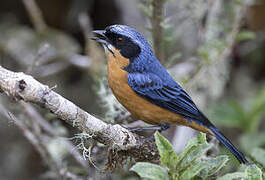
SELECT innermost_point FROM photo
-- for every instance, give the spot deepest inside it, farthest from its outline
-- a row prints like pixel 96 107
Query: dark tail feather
pixel 240 156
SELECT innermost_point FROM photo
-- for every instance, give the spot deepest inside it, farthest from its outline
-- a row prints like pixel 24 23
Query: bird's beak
pixel 100 32
pixel 102 39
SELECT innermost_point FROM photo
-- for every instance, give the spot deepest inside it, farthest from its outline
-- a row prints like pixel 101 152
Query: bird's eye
pixel 120 40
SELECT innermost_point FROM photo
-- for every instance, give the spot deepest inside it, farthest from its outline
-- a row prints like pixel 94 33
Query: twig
pixel 36 142
pixel 35 15
pixel 36 117
pixel 33 114
pixel 157 30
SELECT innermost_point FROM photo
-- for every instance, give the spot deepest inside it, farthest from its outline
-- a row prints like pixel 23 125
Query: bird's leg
pixel 160 128
pixel 164 127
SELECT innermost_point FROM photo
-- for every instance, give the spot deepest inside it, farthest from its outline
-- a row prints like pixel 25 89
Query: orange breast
pixel 135 104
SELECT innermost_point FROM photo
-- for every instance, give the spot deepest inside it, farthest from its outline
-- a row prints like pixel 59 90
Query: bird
pixel 145 88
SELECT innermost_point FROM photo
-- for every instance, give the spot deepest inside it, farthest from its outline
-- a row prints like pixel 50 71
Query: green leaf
pixel 233 176
pixel 213 165
pixel 195 148
pixel 193 142
pixel 245 35
pixel 259 155
pixel 201 138
pixel 193 170
pixel 168 156
pixel 162 143
pixel 196 153
pixel 190 146
pixel 150 171
pixel 253 172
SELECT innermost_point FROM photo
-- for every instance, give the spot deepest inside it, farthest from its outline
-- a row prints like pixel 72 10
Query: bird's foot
pixel 160 128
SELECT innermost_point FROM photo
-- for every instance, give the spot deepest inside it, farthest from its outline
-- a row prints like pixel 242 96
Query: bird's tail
pixel 240 156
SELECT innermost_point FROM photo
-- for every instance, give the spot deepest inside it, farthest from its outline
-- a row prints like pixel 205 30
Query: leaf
pixel 245 35
pixel 193 170
pixel 196 153
pixel 201 138
pixel 168 155
pixel 253 172
pixel 233 176
pixel 213 165
pixel 195 148
pixel 259 155
pixel 190 146
pixel 192 143
pixel 162 143
pixel 150 171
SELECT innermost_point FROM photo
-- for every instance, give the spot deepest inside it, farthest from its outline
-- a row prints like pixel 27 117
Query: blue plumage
pixel 150 80
pixel 240 156
pixel 174 98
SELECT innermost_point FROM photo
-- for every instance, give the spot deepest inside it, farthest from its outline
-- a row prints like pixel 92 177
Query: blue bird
pixel 144 87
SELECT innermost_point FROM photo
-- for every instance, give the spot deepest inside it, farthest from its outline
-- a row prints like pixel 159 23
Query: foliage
pixel 150 171
pixel 250 172
pixel 192 163
pixel 246 116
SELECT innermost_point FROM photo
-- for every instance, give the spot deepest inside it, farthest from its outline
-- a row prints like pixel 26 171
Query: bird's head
pixel 122 41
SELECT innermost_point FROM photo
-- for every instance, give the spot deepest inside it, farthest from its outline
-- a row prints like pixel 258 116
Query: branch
pixel 39 146
pixel 36 118
pixel 157 30
pixel 35 15
pixel 24 87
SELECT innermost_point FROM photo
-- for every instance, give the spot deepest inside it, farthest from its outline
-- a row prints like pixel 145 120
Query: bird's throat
pixel 116 58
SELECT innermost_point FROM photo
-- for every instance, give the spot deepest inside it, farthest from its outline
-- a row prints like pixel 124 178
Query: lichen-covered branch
pixel 24 87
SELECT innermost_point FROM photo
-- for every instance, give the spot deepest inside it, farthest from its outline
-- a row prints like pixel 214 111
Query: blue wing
pixel 169 96
pixel 172 97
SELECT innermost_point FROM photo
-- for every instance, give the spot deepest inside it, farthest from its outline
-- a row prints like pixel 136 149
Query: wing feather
pixel 170 97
